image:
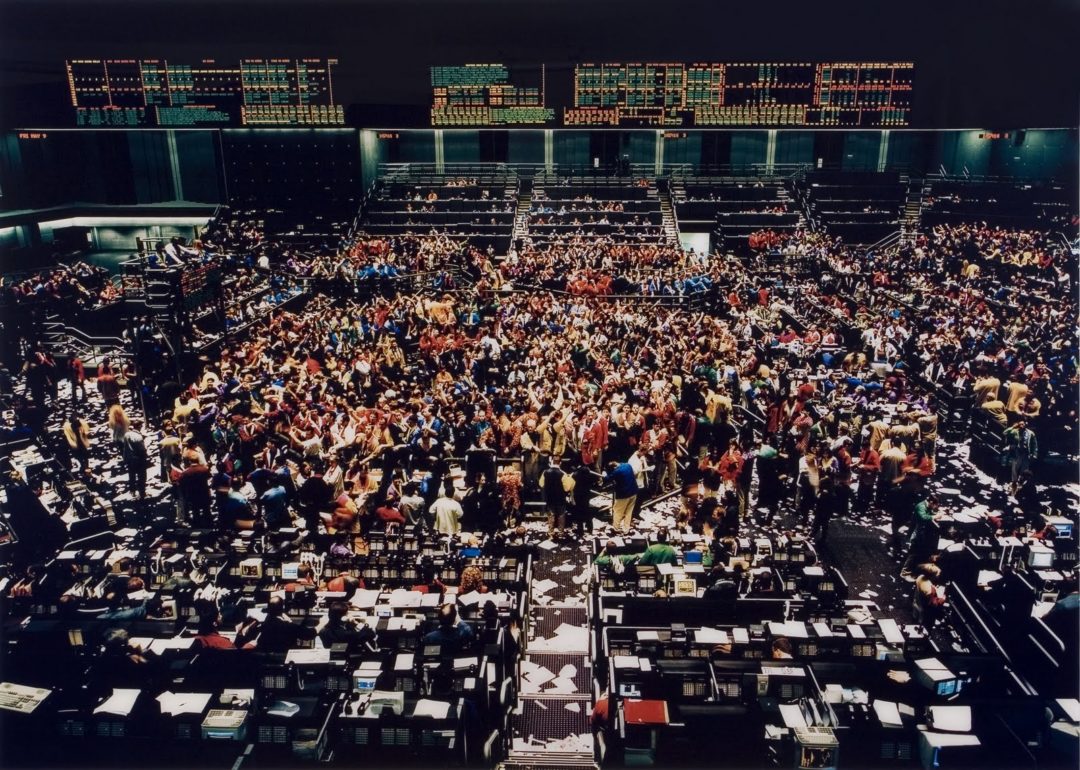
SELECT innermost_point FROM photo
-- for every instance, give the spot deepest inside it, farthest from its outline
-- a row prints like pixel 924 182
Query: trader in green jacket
pixel 660 552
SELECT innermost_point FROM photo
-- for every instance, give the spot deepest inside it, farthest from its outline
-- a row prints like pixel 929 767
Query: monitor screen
pixel 1041 559
pixel 365 684
pixel 629 691
pixel 948 687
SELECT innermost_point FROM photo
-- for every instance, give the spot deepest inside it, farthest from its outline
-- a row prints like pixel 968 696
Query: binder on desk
pixel 645 712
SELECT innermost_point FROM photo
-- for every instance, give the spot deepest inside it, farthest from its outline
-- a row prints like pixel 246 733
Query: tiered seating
pixel 479 207
pixel 734 206
pixel 596 205
pixel 1003 203
pixel 858 206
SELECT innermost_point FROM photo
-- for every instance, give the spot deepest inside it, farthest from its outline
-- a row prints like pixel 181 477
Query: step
pixel 547 762
pixel 548 721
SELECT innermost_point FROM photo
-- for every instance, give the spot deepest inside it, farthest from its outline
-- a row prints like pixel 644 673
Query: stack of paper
pixel 431 708
pixel 711 636
pixel 888 713
pixel 120 703
pixel 174 703
pixel 951 719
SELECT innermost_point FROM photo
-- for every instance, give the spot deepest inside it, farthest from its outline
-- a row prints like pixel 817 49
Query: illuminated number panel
pixel 844 94
pixel 487 95
pixel 133 93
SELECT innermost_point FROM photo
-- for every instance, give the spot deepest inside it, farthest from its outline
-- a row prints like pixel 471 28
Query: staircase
pixel 59 338
pixel 551 723
pixel 522 213
pixel 911 219
pixel 671 222
pixel 793 205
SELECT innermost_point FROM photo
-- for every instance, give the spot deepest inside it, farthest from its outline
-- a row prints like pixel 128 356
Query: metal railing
pixel 890 240
pixel 666 300
pixel 689 171
pixel 58 333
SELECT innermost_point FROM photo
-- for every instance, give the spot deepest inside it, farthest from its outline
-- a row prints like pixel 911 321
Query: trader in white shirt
pixel 447 513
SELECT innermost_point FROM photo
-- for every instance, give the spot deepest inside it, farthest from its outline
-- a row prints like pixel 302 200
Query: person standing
pixel 923 536
pixel 77 435
pixel 447 513
pixel 530 456
pixel 582 495
pixel 109 388
pixel 825 503
pixel 551 483
pixel 770 485
pixel 1020 447
pixel 625 493
pixel 842 474
pixel 867 467
pixel 77 376
pixel 133 449
pixel 193 490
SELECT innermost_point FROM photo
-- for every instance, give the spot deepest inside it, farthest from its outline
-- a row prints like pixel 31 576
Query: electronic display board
pixel 678 95
pixel 841 94
pixel 486 95
pixel 136 93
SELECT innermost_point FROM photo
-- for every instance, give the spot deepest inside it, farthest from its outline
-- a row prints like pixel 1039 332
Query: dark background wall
pixel 113 167
pixel 293 170
pixel 327 170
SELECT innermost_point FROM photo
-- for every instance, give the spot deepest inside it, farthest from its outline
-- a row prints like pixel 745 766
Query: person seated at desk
pixel 389 513
pixel 763 581
pixel 346 584
pixel 123 601
pixel 452 635
pixel 781 649
pixel 472 580
pixel 278 633
pixel 339 629
pixel 305 576
pixel 121 664
pixel 726 586
pixel 929 595
pixel 234 510
pixel 659 552
pixel 430 583
pixel 208 636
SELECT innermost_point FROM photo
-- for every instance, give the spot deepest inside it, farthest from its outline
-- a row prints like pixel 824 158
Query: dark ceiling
pixel 978 64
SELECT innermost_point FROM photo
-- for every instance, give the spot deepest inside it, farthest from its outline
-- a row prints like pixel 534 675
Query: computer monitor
pixel 629 690
pixel 935 676
pixel 290 571
pixel 1063 525
pixel 947 687
pixel 1040 558
pixel 364 684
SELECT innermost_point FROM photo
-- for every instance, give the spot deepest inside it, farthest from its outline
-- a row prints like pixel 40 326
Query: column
pixel 174 166
pixel 440 156
pixel 883 151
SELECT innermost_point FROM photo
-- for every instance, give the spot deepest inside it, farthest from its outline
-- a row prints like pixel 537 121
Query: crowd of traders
pixel 80 283
pixel 349 414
